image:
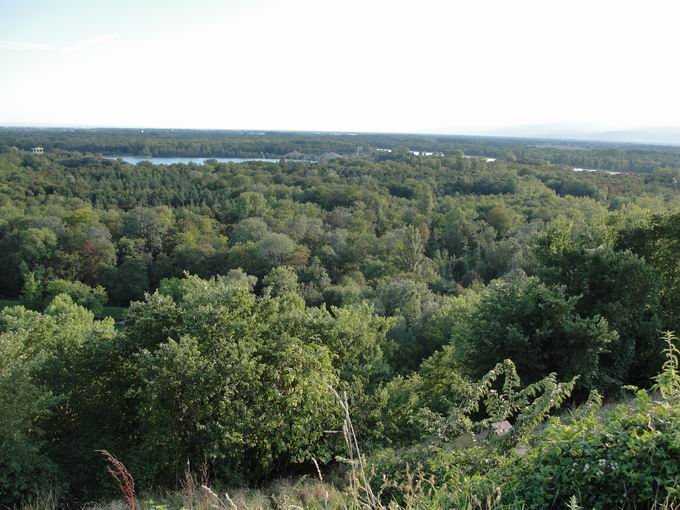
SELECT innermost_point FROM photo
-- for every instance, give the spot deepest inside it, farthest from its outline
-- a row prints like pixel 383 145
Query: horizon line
pixel 354 133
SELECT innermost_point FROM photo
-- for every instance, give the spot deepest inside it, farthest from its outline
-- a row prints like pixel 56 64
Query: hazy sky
pixel 352 65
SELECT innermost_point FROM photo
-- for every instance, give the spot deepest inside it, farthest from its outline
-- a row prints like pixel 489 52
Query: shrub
pixel 535 325
pixel 37 295
pixel 92 298
pixel 24 468
pixel 233 385
pixel 626 457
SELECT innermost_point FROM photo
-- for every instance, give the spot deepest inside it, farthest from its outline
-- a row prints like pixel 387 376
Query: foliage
pixel 37 295
pixel 232 384
pixel 280 281
pixel 617 285
pixel 668 380
pixel 24 469
pixel 626 457
pixel 536 326
pixel 398 280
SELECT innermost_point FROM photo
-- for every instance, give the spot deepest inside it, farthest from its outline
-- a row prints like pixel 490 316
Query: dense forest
pixel 433 331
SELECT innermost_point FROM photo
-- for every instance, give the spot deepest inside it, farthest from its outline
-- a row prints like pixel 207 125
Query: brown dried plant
pixel 122 477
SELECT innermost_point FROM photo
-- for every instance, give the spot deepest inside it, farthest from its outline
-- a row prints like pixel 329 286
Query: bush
pixel 535 325
pixel 92 298
pixel 465 446
pixel 37 295
pixel 24 468
pixel 626 457
pixel 232 384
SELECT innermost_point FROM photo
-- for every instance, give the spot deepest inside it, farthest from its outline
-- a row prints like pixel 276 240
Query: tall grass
pixel 122 477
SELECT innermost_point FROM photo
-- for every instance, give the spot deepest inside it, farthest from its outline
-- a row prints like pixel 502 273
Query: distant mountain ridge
pixel 662 135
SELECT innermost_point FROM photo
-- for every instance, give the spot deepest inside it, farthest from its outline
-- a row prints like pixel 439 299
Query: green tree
pixel 32 292
pixel 36 246
pixel 658 242
pixel 232 384
pixel 275 249
pixel 88 297
pixel 413 250
pixel 538 327
pixel 424 199
pixel 281 281
pixel 250 204
pixel 249 229
pixel 357 339
pixel 73 358
pixel 502 219
pixel 25 469
pixel 622 288
pixel 150 225
pixel 239 278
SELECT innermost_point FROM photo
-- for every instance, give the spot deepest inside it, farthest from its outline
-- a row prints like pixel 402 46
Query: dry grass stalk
pixel 122 477
pixel 188 485
pixel 360 486
pixel 214 500
pixel 325 490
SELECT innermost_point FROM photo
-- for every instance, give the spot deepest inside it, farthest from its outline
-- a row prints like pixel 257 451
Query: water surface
pixel 133 160
pixel 610 172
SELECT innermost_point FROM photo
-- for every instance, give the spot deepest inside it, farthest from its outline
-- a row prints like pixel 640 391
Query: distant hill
pixel 650 135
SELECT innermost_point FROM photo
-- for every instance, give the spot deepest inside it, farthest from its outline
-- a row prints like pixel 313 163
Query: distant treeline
pixel 195 143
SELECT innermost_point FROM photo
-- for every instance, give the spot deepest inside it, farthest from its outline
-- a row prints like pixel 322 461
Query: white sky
pixel 372 65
